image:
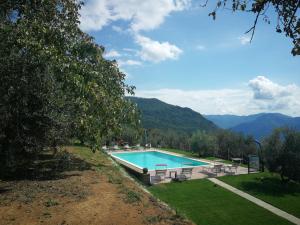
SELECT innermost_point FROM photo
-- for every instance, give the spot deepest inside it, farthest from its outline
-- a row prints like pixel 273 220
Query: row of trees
pixel 281 150
pixel 55 84
pixel 222 143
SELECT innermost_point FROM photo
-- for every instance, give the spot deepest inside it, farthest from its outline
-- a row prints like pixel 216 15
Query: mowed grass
pixel 207 204
pixel 269 188
pixel 182 152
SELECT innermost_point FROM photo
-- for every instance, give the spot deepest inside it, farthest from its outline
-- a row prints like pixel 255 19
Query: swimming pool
pixel 151 159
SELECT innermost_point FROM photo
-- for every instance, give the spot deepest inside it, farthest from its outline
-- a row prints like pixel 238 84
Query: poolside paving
pixel 199 173
pixel 257 201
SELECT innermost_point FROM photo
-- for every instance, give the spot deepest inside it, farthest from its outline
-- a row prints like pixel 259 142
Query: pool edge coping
pixel 140 169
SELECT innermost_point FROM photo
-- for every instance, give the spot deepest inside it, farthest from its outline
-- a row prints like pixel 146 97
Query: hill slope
pixel 258 125
pixel 228 121
pixel 160 115
pixel 265 124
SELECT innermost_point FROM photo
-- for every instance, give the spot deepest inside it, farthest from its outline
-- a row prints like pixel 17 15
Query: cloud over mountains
pixel 261 95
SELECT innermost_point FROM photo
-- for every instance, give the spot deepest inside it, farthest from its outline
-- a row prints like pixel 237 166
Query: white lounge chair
pixel 232 168
pixel 186 173
pixel 212 170
pixel 217 168
pixel 160 173
pixel 159 176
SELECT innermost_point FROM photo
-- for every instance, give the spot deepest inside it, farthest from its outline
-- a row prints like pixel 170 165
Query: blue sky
pixel 172 50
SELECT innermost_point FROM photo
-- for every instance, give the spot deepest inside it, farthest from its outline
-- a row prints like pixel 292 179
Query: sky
pixel 172 50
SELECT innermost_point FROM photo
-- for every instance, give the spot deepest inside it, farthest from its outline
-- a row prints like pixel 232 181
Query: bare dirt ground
pixel 85 188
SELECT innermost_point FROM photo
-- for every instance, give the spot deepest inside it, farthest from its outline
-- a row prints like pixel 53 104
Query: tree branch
pixel 294 13
pixel 204 4
pixel 253 27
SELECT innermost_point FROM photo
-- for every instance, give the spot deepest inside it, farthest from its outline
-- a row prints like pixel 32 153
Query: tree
pixel 287 21
pixel 231 144
pixel 54 82
pixel 282 153
pixel 204 143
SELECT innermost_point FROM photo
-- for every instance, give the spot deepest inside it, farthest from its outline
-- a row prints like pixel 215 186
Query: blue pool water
pixel 150 160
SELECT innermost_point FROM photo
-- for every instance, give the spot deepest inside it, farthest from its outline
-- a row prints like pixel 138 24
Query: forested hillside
pixel 160 115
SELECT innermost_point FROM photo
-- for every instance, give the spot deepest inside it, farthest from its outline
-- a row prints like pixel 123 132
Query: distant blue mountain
pixel 228 121
pixel 258 125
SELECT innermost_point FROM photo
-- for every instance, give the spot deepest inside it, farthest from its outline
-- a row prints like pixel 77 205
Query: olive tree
pixel 54 82
pixel 204 143
pixel 282 153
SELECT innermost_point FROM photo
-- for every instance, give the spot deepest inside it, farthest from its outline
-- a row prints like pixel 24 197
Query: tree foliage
pixel 232 144
pixel 54 82
pixel 282 153
pixel 287 21
pixel 203 143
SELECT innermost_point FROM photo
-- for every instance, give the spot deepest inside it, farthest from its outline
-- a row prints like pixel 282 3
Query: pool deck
pixel 198 172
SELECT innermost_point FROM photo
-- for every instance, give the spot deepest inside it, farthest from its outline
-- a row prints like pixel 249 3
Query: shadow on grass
pixel 270 186
pixel 49 166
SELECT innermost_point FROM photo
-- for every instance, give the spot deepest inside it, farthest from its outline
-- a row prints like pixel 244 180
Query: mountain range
pixel 163 116
pixel 258 125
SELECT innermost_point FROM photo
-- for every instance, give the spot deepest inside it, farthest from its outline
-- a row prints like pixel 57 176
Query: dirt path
pixel 94 194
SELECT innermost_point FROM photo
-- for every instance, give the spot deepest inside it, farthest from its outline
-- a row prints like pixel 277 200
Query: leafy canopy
pixel 282 153
pixel 54 82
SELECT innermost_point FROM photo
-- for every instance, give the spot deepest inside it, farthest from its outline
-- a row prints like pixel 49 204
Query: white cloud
pixel 129 62
pixel 142 15
pixel 244 40
pixel 112 54
pixel 224 101
pixel 130 50
pixel 227 101
pixel 263 88
pixel 155 51
pixel 117 29
pixel 94 15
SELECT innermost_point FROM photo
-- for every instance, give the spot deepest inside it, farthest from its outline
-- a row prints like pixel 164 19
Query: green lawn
pixel 269 188
pixel 183 152
pixel 207 204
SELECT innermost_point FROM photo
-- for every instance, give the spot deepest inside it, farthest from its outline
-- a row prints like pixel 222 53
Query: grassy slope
pixel 269 188
pixel 206 204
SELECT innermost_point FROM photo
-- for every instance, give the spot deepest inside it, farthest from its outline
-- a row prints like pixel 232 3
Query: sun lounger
pixel 217 168
pixel 159 176
pixel 160 173
pixel 186 173
pixel 212 169
pixel 231 168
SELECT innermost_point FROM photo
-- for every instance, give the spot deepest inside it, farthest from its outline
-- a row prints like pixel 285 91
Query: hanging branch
pixel 253 27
